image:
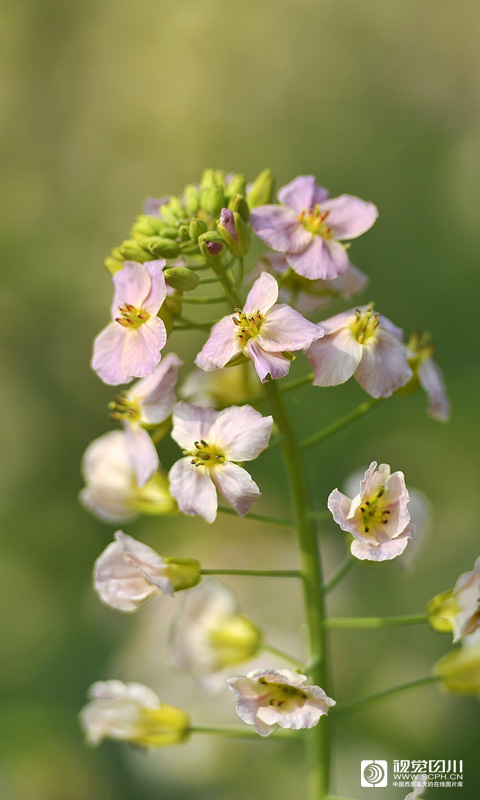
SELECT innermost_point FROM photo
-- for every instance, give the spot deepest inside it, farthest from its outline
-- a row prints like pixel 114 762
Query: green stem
pixel 363 702
pixel 286 387
pixel 320 514
pixel 230 292
pixel 256 573
pixel 341 423
pixel 318 738
pixel 284 523
pixel 201 300
pixel 214 279
pixel 286 657
pixel 234 731
pixel 350 623
pixel 340 574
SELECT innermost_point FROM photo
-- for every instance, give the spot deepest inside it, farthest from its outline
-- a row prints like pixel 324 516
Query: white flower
pixel 131 712
pixel 278 697
pixel 129 573
pixel 458 609
pixel 418 785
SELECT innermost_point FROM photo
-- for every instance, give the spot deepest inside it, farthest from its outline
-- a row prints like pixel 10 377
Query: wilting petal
pixel 107 355
pixel 349 216
pixel 141 351
pixel 151 565
pixel 285 330
pixel 323 258
pixel 118 581
pixel 236 485
pixel 193 489
pixel 384 367
pixel 370 551
pixel 431 378
pixel 155 394
pixel 302 194
pixel 132 285
pixel 158 290
pixel 241 433
pixel 220 347
pixel 262 296
pixel 334 358
pixel 191 423
pixel 273 364
pixel 280 228
pixel 142 453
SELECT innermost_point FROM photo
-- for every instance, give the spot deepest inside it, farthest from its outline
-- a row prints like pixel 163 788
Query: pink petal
pixel 388 325
pixel 141 351
pixel 285 330
pixel 132 285
pixel 146 561
pixel 431 379
pixel 396 496
pixel 280 228
pixel 302 193
pixel 220 347
pixel 193 489
pixel 262 296
pixel 158 291
pixel 267 363
pixel 192 423
pixel 237 486
pixel 352 282
pixel 384 367
pixel 334 358
pixel 241 433
pixel 107 355
pixel 156 393
pixel 142 453
pixel 339 506
pixel 349 216
pixel 373 479
pixel 338 321
pixel 392 548
pixel 323 258
pixel 118 581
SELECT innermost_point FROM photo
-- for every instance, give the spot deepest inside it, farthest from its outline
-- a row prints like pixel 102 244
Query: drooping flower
pixel 429 375
pixel 212 442
pixel 458 610
pixel 263 331
pixel 131 712
pixel 364 344
pixel 148 402
pixel 210 634
pixel 112 492
pixel 308 227
pixel 377 516
pixel 459 670
pixel 268 698
pixel 129 346
pixel 309 295
pixel 129 573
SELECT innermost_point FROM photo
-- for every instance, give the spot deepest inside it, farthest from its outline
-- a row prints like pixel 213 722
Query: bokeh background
pixel 104 103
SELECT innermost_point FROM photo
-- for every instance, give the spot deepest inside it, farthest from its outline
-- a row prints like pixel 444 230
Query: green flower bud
pixel 145 225
pixel 213 199
pixel 161 247
pixel 442 610
pixel 197 227
pixel 235 232
pixel 211 244
pixel 183 572
pixel 236 186
pixel 175 208
pixel 238 203
pixel 191 198
pixel 459 670
pixel 262 189
pixel 208 179
pixel 235 640
pixel 181 278
pixel 113 265
pixel 132 250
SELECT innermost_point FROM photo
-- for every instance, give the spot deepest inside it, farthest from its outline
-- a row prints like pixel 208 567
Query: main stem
pixel 318 738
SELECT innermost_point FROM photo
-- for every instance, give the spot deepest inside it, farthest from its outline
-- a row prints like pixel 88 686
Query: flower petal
pixel 141 350
pixel 285 330
pixel 220 347
pixel 262 296
pixel 236 485
pixel 132 285
pixel 273 364
pixel 241 433
pixel 384 367
pixel 339 506
pixel 302 194
pixel 280 228
pixel 349 216
pixel 118 582
pixel 152 566
pixel 158 290
pixel 370 551
pixel 431 379
pixel 323 258
pixel 193 489
pixel 107 355
pixel 334 358
pixel 142 452
pixel 191 423
pixel 156 393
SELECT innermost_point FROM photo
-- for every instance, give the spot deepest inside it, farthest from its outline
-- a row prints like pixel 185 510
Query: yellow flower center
pixel 365 325
pixel 314 221
pixel 132 317
pixel 283 696
pixel 124 409
pixel 373 510
pixel 205 455
pixel 248 326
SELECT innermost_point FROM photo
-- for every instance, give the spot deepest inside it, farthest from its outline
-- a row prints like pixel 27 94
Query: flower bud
pixel 181 278
pixel 459 670
pixel 261 190
pixel 146 225
pixel 236 186
pixel 161 247
pixel 235 232
pixel 442 610
pixel 236 640
pixel 191 198
pixel 113 265
pixel 168 310
pixel 183 572
pixel 197 227
pixel 132 250
pixel 238 203
pixel 213 199
pixel 211 243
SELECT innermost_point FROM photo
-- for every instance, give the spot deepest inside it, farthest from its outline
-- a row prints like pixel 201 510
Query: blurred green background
pixel 103 104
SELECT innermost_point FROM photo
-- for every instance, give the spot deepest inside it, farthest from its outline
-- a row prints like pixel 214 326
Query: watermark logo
pixel 374 773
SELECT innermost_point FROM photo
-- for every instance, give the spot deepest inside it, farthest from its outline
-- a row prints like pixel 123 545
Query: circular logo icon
pixel 374 773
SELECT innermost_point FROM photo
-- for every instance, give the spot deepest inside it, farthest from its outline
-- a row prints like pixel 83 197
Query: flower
pixel 263 331
pixel 418 786
pixel 212 441
pixel 459 670
pixel 131 712
pixel 362 343
pixel 307 227
pixel 429 375
pixel 129 573
pixel 210 634
pixel 306 295
pixel 130 345
pixel 111 492
pixel 149 401
pixel 268 698
pixel 377 516
pixel 458 610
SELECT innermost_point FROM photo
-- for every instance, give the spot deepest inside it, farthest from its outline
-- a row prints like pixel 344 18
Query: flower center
pixel 248 327
pixel 314 221
pixel 365 325
pixel 124 409
pixel 131 317
pixel 205 455
pixel 281 695
pixel 373 511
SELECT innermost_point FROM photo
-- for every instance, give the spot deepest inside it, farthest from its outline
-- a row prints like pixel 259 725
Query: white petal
pixel 262 296
pixel 431 379
pixel 236 485
pixel 241 433
pixel 149 563
pixel 132 285
pixel 141 350
pixel 220 347
pixel 349 216
pixel 334 358
pixel 118 581
pixel 107 355
pixel 191 423
pixel 156 393
pixel 299 193
pixel 339 505
pixel 285 330
pixel 158 289
pixel 273 364
pixel 193 489
pixel 141 452
pixel 384 367
pixel 323 258
pixel 385 551
pixel 280 228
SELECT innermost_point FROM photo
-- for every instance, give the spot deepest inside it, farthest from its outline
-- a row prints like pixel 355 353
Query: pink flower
pixel 307 227
pixel 129 347
pixel 268 698
pixel 429 376
pixel 362 343
pixel 263 332
pixel 377 516
pixel 149 401
pixel 212 442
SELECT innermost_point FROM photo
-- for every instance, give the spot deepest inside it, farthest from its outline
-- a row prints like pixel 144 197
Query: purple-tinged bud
pixel 227 222
pixel 214 248
pixel 235 232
